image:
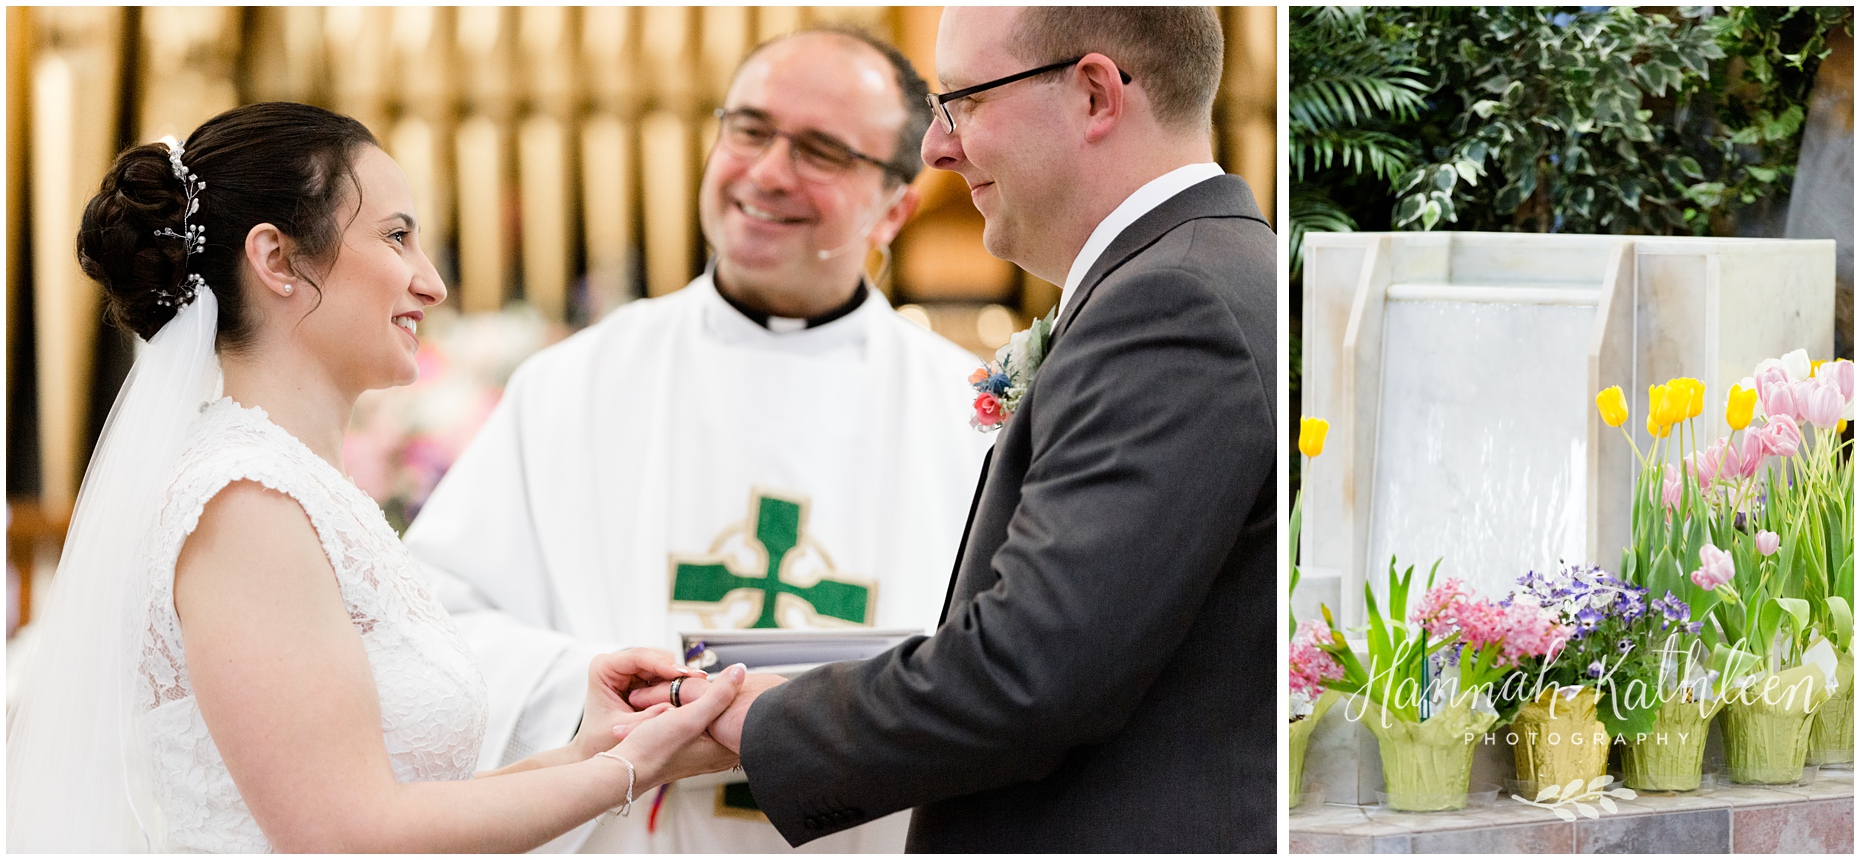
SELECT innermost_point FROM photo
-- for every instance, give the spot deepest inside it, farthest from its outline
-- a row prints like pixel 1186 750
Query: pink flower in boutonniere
pixel 988 412
pixel 1001 383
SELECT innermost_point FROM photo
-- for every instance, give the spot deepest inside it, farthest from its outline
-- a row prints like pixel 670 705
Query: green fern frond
pixel 1356 149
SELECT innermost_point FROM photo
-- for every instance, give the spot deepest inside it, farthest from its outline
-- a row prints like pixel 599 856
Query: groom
pixel 1102 679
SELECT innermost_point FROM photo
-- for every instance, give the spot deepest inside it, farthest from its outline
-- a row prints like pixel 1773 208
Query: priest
pixel 772 446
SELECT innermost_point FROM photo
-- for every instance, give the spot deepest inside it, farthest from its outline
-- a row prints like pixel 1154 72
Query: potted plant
pixel 1426 684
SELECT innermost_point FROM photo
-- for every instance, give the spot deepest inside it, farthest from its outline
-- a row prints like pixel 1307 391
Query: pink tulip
pixel 1669 488
pixel 1768 542
pixel 1769 377
pixel 1821 403
pixel 1780 436
pixel 1842 372
pixel 1780 400
pixel 1705 465
pixel 1715 568
pixel 1741 459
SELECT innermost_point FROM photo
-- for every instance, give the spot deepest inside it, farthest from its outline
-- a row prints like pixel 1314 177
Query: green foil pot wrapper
pixel 1766 726
pixel 1670 755
pixel 1426 766
pixel 1301 730
pixel 1559 740
pixel 1831 738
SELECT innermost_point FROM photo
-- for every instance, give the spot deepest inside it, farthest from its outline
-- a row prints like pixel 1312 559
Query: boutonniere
pixel 1000 384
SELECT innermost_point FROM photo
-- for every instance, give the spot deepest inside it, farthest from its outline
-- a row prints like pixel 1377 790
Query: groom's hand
pixel 728 728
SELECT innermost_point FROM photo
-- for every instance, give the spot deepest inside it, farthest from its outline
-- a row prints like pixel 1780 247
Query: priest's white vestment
pixel 677 449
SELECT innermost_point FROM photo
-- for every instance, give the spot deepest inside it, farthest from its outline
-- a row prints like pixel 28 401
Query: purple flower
pixel 1595 669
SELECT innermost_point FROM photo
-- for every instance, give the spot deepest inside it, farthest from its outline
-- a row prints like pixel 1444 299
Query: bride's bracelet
pixel 631 777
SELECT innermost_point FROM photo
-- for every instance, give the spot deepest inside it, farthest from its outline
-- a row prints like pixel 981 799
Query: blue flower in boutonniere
pixel 1001 383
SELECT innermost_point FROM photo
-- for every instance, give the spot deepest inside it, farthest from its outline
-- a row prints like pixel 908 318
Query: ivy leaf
pixel 1707 194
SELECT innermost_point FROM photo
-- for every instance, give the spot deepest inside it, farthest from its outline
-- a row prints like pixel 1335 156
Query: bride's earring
pixel 287 289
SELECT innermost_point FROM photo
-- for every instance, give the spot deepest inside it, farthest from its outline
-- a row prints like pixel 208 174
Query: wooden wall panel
pixel 547 147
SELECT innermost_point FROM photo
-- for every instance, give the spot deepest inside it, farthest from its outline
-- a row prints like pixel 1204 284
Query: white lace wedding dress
pixel 433 700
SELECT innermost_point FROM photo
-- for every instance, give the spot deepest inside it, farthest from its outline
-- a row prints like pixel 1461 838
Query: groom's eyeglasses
pixel 939 102
pixel 817 156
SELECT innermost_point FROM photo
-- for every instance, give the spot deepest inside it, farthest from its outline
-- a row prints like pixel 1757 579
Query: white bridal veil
pixel 75 776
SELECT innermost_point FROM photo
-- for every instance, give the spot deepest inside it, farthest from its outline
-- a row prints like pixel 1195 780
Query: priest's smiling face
pixel 770 226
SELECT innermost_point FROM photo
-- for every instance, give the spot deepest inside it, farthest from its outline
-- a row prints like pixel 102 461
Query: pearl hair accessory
pixel 192 236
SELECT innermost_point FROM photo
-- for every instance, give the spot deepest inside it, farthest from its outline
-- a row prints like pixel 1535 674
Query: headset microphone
pixel 859 234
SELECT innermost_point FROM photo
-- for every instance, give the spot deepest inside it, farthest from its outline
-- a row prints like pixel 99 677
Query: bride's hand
pixel 610 677
pixel 674 743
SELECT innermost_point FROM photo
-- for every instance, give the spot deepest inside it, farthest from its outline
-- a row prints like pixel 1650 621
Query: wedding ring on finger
pixel 676 683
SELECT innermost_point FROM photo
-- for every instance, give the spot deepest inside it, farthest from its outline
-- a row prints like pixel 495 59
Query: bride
pixel 238 654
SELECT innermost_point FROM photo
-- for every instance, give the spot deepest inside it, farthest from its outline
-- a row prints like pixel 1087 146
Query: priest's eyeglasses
pixel 817 156
pixel 939 102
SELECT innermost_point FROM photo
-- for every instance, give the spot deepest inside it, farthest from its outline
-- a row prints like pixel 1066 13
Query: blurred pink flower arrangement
pixel 402 440
pixel 1311 666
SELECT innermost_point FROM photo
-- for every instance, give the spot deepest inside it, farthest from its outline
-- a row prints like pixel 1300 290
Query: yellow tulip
pixel 1656 407
pixel 1311 432
pixel 1695 399
pixel 1613 405
pixel 1740 406
pixel 1675 401
pixel 1656 429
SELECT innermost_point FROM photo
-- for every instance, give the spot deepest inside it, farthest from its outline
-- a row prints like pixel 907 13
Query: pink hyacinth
pixel 1441 606
pixel 1780 436
pixel 1523 629
pixel 1716 568
pixel 1768 542
pixel 1311 666
pixel 1821 401
pixel 1520 630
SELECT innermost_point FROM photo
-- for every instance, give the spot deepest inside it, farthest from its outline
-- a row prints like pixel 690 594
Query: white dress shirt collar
pixel 1139 203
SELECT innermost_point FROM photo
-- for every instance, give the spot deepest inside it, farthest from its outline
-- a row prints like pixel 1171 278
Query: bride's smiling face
pixel 365 327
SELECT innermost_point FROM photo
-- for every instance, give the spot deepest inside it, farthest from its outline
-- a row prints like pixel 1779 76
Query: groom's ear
pixel 268 253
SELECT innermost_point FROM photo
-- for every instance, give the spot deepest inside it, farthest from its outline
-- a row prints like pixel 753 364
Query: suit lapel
pixel 963 547
pixel 1225 196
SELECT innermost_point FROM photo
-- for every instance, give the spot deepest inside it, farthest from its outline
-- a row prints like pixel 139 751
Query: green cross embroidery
pixel 777 525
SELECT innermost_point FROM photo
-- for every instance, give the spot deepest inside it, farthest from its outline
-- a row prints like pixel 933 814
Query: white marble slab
pixel 1481 454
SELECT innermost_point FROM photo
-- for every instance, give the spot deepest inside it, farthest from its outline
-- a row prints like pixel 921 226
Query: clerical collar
pixel 784 325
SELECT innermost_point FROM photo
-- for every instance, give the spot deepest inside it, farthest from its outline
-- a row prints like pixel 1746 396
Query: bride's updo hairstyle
pixel 280 163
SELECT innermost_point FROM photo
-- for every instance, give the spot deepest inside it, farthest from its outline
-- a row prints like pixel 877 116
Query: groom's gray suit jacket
pixel 1104 675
